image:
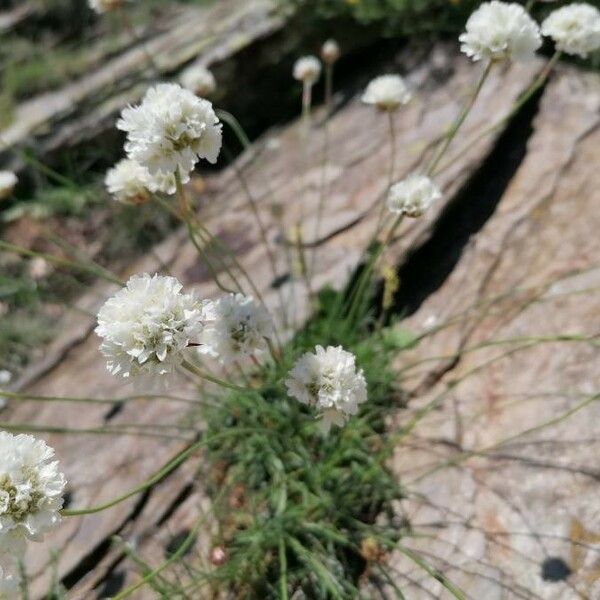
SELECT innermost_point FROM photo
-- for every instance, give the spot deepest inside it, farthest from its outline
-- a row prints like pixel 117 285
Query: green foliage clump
pixel 395 17
pixel 300 511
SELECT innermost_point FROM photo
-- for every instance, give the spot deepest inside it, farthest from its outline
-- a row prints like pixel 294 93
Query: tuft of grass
pixel 305 514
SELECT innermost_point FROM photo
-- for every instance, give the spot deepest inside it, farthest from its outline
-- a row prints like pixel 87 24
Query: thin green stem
pixel 323 184
pixel 128 25
pixel 113 430
pixel 261 228
pixel 62 262
pixel 523 99
pixel 461 457
pixel 382 209
pixel 187 215
pixel 454 129
pixel 418 560
pixel 438 155
pixel 177 460
pixel 179 553
pixel 212 379
pixel 150 397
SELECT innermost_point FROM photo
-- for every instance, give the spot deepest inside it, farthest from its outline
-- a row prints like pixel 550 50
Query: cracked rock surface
pixel 502 466
pixel 517 271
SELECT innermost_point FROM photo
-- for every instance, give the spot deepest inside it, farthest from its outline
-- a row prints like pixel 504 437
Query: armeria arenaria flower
pixel 328 380
pixel 31 491
pixel 307 69
pixel 199 80
pixel 8 181
pixel 147 326
pixel 128 182
pixel 575 29
pixel 500 30
pixel 172 129
pixel 131 183
pixel 240 328
pixel 387 92
pixel 330 52
pixel 413 196
pixel 102 6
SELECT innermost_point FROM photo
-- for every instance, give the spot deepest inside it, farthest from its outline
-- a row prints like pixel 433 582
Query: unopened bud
pixel 330 52
pixel 218 556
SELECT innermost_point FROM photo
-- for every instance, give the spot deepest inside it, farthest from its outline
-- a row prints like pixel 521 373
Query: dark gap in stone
pixel 90 561
pixel 179 500
pixel 280 280
pixel 114 410
pixel 176 542
pixel 112 584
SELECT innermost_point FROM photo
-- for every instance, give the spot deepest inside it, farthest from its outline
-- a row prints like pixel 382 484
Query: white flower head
pixel 413 196
pixel 165 182
pixel 31 491
pixel 575 29
pixel 330 52
pixel 8 181
pixel 387 92
pixel 102 6
pixel 500 30
pixel 9 585
pixel 240 328
pixel 131 183
pixel 328 380
pixel 199 80
pixel 171 129
pixel 307 69
pixel 128 182
pixel 146 326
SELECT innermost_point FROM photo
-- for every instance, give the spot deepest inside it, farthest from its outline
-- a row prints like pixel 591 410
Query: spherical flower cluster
pixel 413 196
pixel 128 182
pixel 31 489
pixel 199 80
pixel 575 29
pixel 8 181
pixel 500 30
pixel 330 52
pixel 387 92
pixel 307 69
pixel 102 6
pixel 131 183
pixel 171 130
pixel 328 380
pixel 240 328
pixel 166 182
pixel 146 326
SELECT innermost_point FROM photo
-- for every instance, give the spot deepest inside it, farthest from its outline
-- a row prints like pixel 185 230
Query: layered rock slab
pixel 101 467
pixel 501 466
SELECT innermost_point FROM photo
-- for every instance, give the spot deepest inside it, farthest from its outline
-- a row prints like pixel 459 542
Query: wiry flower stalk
pixel 307 70
pixel 207 238
pixel 253 205
pixel 330 53
pixel 128 26
pixel 454 129
pixel 539 82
